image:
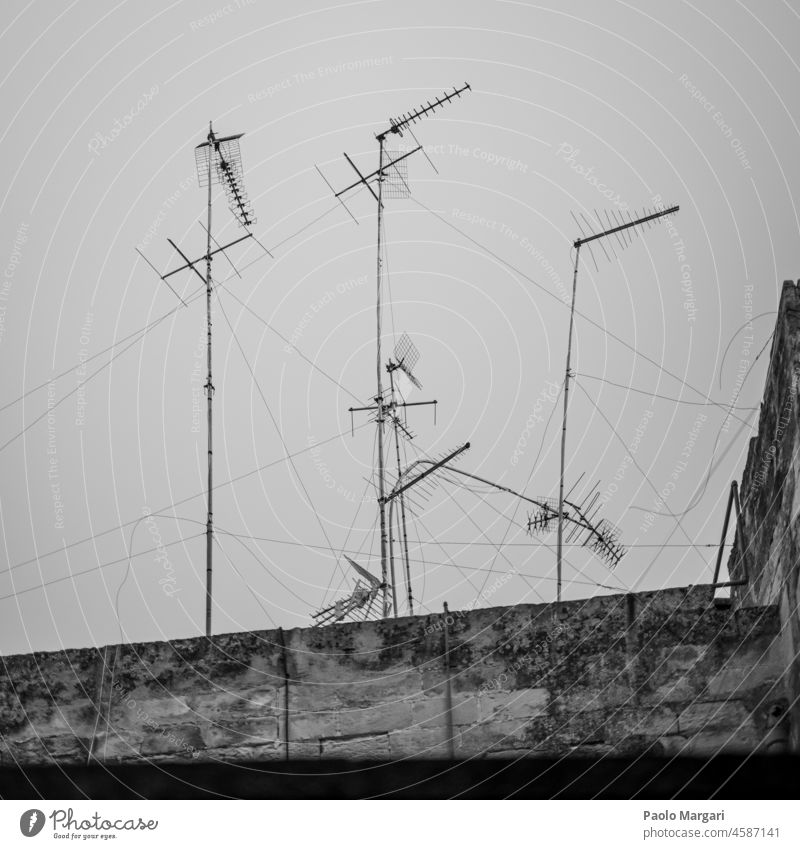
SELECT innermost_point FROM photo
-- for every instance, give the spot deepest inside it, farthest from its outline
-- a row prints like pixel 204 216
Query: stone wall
pixel 766 555
pixel 663 672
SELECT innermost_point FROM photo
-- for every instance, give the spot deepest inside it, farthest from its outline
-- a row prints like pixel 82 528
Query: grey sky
pixel 576 106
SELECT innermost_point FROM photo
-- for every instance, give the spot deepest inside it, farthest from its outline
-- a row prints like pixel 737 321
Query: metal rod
pixel 739 534
pixel 560 539
pixel 416 403
pixel 722 538
pixel 397 124
pixel 190 263
pixel 222 248
pixel 159 274
pixel 403 526
pixel 364 179
pixel 209 395
pixel 394 493
pixel 336 196
pixel 578 242
pixel 391 552
pixel 379 396
pixel 391 511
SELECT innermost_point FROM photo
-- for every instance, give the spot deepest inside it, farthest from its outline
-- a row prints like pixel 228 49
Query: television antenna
pixel 387 168
pixel 218 161
pixel 398 492
pixel 623 230
pixel 406 356
pixel 600 536
pixel 361 598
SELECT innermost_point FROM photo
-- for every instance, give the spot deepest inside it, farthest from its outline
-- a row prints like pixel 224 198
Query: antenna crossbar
pixel 190 263
pixel 365 179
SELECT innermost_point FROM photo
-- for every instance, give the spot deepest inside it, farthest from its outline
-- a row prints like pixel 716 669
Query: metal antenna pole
pixel 405 551
pixel 396 127
pixel 379 397
pixel 559 544
pixel 404 528
pixel 218 159
pixel 209 395
pixel 622 227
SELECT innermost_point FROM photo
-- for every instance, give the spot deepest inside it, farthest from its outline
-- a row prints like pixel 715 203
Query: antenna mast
pixel 218 160
pixel 209 387
pixel 396 126
pixel 620 230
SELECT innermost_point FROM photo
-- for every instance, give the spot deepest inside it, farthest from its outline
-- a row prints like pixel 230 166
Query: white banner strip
pixel 401 824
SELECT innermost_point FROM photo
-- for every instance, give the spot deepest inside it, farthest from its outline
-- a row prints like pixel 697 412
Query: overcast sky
pixel 576 107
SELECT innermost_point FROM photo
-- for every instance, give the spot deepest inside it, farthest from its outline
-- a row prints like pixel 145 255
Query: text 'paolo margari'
pixel 690 816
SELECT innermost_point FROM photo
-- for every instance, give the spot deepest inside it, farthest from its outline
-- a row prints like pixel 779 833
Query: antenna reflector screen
pixel 223 150
pixel 395 184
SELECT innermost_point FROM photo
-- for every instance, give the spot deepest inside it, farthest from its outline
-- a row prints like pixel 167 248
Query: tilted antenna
pixel 398 494
pixel 360 599
pixel 218 160
pixel 623 231
pixel 602 537
pixel 616 225
pixel 377 178
pixel 406 357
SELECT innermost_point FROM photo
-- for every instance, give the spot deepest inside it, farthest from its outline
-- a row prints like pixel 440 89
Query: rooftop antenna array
pixel 406 356
pixel 600 536
pixel 388 168
pixel 218 161
pixel 607 544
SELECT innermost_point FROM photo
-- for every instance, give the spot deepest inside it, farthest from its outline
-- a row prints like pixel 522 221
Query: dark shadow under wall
pixel 722 777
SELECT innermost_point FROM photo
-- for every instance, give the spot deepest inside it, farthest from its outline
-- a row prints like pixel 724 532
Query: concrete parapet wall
pixel 659 672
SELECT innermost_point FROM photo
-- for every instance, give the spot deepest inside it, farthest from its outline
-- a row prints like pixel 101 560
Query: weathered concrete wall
pixel 660 672
pixel 767 549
